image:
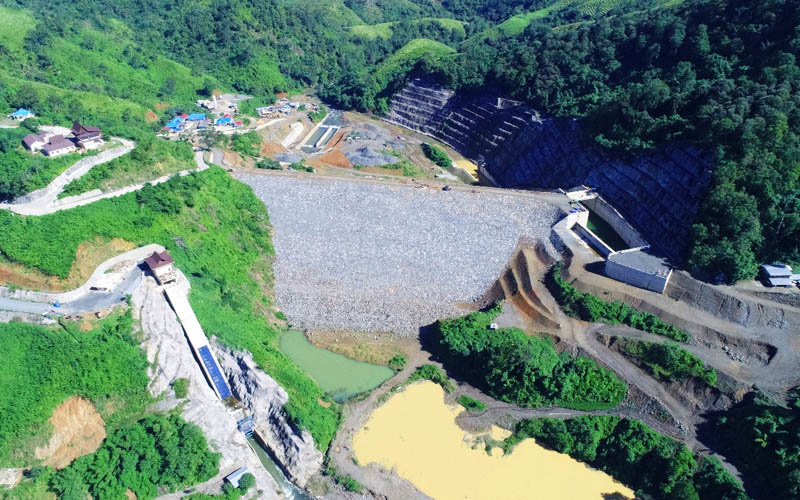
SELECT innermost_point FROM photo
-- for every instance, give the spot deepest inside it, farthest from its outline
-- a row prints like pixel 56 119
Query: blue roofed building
pixel 225 120
pixel 196 117
pixel 175 124
pixel 21 114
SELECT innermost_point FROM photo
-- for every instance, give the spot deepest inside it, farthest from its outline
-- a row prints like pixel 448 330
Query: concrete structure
pixel 10 477
pixel 160 264
pixel 592 239
pixel 639 267
pixel 621 226
pixel 777 275
pixel 177 296
pixel 58 146
pixel 235 476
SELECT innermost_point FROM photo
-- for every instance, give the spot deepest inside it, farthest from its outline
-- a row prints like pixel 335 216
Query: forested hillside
pixel 721 74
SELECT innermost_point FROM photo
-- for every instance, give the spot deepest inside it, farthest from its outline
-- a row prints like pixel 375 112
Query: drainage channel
pixel 288 488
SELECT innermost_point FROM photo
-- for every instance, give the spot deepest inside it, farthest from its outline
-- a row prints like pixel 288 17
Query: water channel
pixel 337 375
pixel 288 488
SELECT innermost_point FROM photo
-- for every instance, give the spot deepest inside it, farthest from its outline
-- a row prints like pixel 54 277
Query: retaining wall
pixel 636 277
pixel 657 191
pixel 593 240
pixel 609 214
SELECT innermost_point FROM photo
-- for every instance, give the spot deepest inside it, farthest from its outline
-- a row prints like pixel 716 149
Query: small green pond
pixel 605 232
pixel 338 376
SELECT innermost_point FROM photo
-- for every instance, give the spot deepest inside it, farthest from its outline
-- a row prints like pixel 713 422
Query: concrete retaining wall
pixel 593 240
pixel 637 278
pixel 609 214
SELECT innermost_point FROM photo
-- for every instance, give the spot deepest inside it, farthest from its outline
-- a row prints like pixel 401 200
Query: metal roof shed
pixel 235 476
pixel 776 270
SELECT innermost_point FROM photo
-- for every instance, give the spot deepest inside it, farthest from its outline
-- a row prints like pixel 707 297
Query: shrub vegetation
pixel 398 362
pixel 513 367
pixel 763 440
pixel 668 361
pixel 436 155
pixel 181 387
pixel 434 374
pixel 587 307
pixel 45 366
pixel 471 404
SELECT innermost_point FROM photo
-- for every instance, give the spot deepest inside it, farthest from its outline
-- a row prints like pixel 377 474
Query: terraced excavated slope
pixel 658 191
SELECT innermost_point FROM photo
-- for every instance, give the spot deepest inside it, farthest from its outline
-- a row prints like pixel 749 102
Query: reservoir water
pixel 337 375
pixel 416 435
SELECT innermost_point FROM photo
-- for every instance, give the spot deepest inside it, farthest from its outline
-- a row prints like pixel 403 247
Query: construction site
pixel 383 257
pixel 374 243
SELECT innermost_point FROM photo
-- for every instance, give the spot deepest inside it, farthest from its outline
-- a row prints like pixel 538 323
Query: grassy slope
pixel 150 161
pixel 220 238
pixel 515 25
pixel 384 30
pixel 14 25
pixel 409 54
pixel 98 61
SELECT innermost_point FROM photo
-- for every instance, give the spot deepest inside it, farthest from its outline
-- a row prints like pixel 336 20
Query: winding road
pixel 109 285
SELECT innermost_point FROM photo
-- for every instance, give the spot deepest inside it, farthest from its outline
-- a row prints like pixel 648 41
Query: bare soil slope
pixel 78 431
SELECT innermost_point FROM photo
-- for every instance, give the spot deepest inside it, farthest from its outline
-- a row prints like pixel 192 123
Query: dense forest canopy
pixel 720 74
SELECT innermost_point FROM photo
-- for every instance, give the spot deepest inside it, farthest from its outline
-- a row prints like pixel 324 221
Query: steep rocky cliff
pixel 171 358
pixel 264 398
pixel 659 191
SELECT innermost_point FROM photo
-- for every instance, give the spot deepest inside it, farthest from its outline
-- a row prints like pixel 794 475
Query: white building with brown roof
pixel 58 146
pixel 87 137
pixel 35 142
pixel 161 265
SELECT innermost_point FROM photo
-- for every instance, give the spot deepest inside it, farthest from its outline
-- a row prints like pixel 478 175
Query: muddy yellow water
pixel 415 434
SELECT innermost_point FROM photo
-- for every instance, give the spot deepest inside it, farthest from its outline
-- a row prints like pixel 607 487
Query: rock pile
pixel 365 257
pixel 368 157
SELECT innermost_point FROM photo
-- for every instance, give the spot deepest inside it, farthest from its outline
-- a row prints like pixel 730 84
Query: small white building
pixel 235 476
pixel 779 275
pixel 10 477
pixel 161 265
pixel 35 142
pixel 640 268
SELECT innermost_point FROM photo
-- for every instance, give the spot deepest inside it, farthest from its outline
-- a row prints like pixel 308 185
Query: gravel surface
pixel 370 257
pixel 370 158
